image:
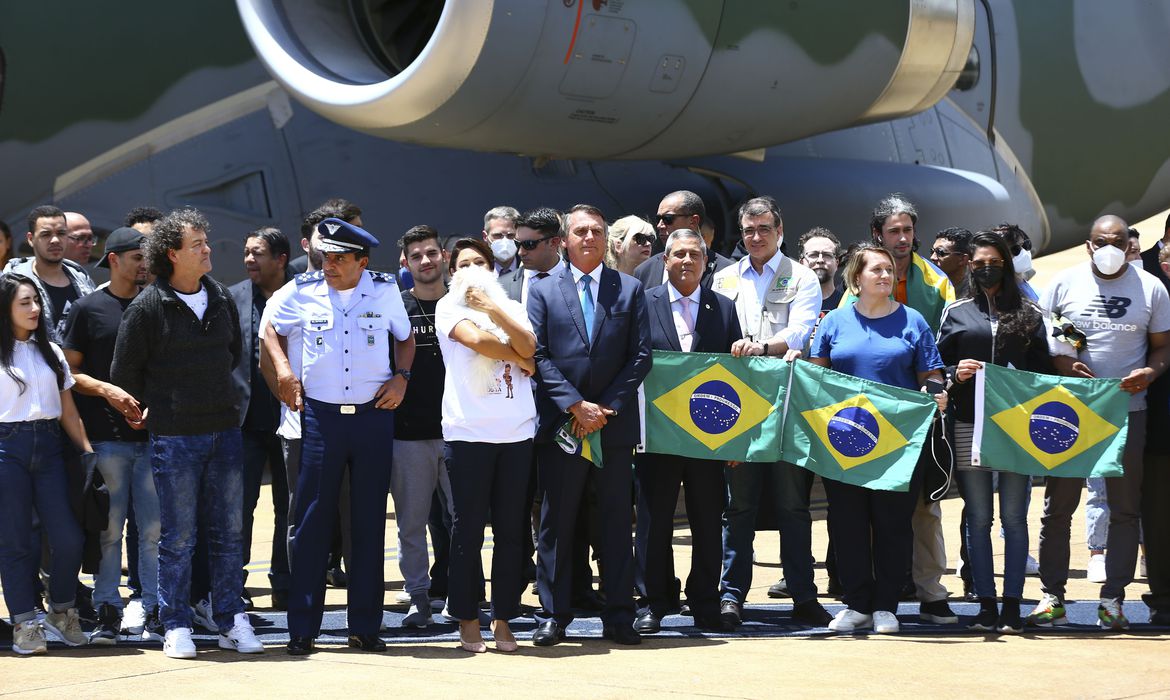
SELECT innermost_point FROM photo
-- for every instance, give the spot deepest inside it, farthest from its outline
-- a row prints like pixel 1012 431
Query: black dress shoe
pixel 648 623
pixel 730 613
pixel 548 634
pixel 712 623
pixel 279 600
pixel 300 646
pixel 685 610
pixel 367 642
pixel 622 634
pixel 337 577
pixel 811 613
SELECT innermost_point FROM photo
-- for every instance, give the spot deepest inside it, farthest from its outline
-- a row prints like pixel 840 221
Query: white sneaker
pixel 884 622
pixel 1031 566
pixel 29 638
pixel 402 597
pixel 447 614
pixel 241 636
pixel 201 615
pixel 1096 571
pixel 133 617
pixel 66 626
pixel 848 620
pixel 177 643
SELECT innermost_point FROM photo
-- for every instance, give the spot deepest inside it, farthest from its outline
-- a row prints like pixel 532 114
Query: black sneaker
pixel 1010 621
pixel 986 620
pixel 84 604
pixel 152 629
pixel 811 613
pixel 109 624
pixel 938 612
pixel 779 590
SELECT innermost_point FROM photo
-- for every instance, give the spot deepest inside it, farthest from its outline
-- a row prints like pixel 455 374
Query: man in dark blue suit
pixel 592 353
pixel 683 317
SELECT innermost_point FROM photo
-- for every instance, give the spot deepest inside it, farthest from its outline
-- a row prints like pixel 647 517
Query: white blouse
pixel 41 399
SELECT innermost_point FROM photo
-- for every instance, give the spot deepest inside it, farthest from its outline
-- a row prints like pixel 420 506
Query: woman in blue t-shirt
pixel 878 339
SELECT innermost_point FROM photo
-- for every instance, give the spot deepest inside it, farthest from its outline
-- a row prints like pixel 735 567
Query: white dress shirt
pixel 41 399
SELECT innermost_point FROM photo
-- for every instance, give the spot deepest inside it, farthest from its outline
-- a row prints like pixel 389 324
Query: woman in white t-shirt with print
pixel 489 420
pixel 36 406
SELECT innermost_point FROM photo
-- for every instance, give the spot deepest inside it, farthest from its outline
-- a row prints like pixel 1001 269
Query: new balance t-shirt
pixel 1115 315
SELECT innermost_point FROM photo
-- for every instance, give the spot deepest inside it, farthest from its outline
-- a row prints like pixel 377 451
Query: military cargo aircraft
pixel 1046 113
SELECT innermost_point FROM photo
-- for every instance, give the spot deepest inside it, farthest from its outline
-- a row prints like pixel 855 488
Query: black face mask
pixel 987 277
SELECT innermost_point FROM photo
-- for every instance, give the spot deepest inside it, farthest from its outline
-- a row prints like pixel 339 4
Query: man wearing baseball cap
pixel 114 419
pixel 348 320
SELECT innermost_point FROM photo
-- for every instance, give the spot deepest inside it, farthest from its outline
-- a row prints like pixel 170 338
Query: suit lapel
pixel 705 323
pixel 569 291
pixel 662 312
pixel 607 293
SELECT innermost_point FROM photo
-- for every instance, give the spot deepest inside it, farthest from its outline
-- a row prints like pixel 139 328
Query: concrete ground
pixel 962 664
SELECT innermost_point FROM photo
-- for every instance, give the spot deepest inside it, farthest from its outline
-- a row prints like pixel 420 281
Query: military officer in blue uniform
pixel 348 317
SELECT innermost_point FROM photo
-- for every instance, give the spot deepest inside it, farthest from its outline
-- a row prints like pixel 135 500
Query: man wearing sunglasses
pixel 951 253
pixel 538 248
pixel 679 210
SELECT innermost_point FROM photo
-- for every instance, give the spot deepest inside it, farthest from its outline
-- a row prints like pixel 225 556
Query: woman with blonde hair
pixel 630 240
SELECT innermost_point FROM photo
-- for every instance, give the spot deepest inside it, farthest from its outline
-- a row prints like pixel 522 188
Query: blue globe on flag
pixel 853 431
pixel 1054 427
pixel 714 407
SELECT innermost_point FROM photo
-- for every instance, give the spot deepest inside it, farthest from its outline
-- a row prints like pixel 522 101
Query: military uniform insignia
pixel 382 277
pixel 308 277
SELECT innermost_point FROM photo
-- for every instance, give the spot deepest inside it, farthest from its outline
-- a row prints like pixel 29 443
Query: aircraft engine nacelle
pixel 611 78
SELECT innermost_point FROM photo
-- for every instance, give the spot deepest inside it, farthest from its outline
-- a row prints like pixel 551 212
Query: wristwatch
pixel 404 372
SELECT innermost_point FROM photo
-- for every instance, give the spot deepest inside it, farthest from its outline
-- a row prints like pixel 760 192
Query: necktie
pixel 587 304
pixel 686 313
pixel 541 275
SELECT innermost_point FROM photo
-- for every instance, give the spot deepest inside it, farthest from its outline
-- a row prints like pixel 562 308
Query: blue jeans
pixel 792 487
pixel 1096 514
pixel 125 467
pixel 32 475
pixel 978 490
pixel 200 479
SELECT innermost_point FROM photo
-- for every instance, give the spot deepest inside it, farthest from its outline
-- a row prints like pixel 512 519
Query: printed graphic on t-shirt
pixel 1112 307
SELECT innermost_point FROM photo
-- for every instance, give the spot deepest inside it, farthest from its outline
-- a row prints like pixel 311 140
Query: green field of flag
pixel 1048 425
pixel 853 430
pixel 715 406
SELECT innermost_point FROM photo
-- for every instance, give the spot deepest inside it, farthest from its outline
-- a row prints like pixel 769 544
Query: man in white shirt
pixel 777 301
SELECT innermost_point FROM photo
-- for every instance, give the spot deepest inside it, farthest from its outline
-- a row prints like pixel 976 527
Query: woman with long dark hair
pixel 37 406
pixel 993 323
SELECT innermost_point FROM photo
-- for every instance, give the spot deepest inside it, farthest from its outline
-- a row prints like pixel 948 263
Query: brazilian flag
pixel 587 448
pixel 854 430
pixel 1041 424
pixel 715 406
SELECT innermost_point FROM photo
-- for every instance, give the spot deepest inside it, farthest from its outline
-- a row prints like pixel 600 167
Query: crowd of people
pixel 140 415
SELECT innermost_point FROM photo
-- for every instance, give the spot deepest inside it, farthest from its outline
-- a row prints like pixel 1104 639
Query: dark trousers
pixel 260 448
pixel 872 540
pixel 330 443
pixel 340 546
pixel 1156 530
pixel 658 481
pixel 439 527
pixel 562 483
pixel 487 480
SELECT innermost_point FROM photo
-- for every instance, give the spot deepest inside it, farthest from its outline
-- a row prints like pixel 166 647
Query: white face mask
pixel 1137 264
pixel 1023 261
pixel 504 249
pixel 1108 259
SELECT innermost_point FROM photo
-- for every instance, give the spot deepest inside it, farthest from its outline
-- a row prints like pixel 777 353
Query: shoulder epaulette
pixel 382 276
pixel 307 277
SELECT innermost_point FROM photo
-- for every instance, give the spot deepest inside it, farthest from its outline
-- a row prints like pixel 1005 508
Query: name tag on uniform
pixel 370 314
pixel 320 340
pixel 370 341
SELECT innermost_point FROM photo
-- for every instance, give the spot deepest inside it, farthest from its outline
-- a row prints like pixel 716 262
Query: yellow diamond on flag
pixel 854 431
pixel 714 406
pixel 1054 427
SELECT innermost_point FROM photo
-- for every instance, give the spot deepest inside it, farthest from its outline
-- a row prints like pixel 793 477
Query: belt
pixel 345 409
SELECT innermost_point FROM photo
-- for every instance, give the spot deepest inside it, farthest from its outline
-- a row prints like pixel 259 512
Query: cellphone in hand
pixel 934 387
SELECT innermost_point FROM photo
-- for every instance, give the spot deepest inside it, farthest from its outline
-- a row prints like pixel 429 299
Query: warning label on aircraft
pixel 589 115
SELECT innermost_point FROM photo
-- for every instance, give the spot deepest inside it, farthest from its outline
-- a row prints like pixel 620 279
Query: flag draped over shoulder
pixel 715 406
pixel 853 430
pixel 1047 425
pixel 928 291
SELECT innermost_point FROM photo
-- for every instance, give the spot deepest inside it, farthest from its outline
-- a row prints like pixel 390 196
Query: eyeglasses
pixel 531 245
pixel 83 240
pixel 818 255
pixel 644 238
pixel 763 230
pixel 943 253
